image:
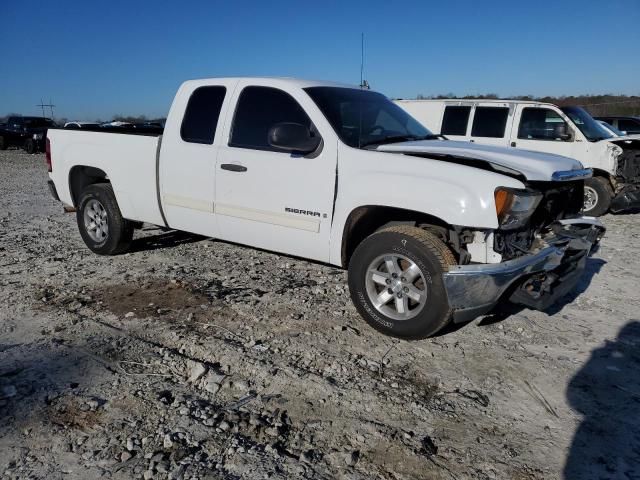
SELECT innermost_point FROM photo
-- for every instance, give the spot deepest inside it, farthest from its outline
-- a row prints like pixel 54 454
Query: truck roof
pixel 274 81
pixel 462 101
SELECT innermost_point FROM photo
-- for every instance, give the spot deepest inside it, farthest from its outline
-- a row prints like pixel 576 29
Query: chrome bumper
pixel 536 280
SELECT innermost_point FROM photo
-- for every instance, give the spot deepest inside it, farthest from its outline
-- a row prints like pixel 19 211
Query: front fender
pixel 456 194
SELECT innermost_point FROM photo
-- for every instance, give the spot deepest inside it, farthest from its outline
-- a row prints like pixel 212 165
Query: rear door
pixel 268 198
pixel 491 123
pixel 540 128
pixel 188 156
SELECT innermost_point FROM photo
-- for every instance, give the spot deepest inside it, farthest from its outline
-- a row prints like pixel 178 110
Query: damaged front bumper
pixel 628 198
pixel 536 280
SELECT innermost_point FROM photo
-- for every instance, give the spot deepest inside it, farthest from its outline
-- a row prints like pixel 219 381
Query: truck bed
pixel 128 160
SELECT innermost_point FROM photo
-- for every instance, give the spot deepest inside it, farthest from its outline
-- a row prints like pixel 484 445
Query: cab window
pixel 259 109
pixel 490 122
pixel 541 124
pixel 202 113
pixel 455 120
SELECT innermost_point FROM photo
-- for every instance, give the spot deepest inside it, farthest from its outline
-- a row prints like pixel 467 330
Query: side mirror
pixel 563 132
pixel 623 132
pixel 293 137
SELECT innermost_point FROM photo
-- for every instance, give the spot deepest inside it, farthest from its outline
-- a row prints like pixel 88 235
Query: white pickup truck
pixel 430 230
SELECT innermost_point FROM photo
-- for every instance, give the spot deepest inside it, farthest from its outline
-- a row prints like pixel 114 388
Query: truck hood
pixel 534 166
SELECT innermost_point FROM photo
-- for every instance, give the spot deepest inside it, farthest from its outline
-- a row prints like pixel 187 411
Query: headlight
pixel 37 136
pixel 514 207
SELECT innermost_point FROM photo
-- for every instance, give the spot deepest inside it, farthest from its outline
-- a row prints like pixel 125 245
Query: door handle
pixel 472 140
pixel 513 144
pixel 233 167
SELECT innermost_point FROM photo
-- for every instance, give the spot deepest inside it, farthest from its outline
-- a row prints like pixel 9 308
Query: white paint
pixel 601 154
pixel 271 218
pixel 249 207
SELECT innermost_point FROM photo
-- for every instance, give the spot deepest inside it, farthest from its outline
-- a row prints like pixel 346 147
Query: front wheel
pixel 396 283
pixel 597 196
pixel 100 222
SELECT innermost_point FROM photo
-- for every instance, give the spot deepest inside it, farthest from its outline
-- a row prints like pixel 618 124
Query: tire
pixel 408 248
pixel 597 196
pixel 98 201
pixel 30 146
pixel 3 143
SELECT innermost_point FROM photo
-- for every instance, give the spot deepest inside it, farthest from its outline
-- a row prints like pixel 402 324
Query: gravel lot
pixel 192 358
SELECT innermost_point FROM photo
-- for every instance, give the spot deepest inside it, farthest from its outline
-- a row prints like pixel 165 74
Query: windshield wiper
pixel 397 138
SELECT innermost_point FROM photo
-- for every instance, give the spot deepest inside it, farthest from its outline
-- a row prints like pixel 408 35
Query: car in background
pixel 531 125
pixel 611 129
pixel 627 125
pixel 81 125
pixel 117 124
pixel 28 133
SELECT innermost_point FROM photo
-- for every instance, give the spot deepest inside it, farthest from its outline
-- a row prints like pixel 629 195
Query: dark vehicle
pixel 629 125
pixel 25 132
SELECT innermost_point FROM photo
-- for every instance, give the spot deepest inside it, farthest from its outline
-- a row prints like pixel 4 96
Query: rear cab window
pixel 259 109
pixel 455 120
pixel 490 122
pixel 201 115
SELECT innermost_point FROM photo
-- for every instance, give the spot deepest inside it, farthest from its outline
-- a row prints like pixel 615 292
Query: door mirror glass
pixel 562 132
pixel 293 137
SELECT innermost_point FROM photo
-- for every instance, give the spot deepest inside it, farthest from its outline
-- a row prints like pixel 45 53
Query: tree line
pixel 596 105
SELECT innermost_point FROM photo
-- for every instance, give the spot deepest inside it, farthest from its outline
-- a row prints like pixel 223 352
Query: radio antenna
pixel 363 83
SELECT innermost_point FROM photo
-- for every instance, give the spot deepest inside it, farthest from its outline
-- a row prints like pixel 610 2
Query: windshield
pixel 587 125
pixel 363 118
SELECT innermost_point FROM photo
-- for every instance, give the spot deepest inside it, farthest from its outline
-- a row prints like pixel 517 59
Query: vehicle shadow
pixel 165 239
pixel 606 391
pixel 505 309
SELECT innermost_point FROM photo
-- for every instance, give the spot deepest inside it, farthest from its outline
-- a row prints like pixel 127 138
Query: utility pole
pixel 42 105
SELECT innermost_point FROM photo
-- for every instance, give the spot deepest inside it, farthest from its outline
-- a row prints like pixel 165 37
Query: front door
pixel 543 129
pixel 266 197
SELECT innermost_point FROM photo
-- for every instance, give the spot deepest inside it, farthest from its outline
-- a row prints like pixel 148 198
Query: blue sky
pixel 98 59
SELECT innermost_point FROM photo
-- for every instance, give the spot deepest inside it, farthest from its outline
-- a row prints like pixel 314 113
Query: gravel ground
pixel 192 358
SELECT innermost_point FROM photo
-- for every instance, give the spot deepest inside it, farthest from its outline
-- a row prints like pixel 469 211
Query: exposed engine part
pixel 560 200
pixel 628 168
pixel 482 248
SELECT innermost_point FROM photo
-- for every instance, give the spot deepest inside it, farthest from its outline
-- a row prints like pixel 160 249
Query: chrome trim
pixel 568 175
pixel 472 290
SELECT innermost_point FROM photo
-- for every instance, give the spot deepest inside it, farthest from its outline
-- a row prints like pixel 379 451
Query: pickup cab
pixel 430 230
pixel 544 127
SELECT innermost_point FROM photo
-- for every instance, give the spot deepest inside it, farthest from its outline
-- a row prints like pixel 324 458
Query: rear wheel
pixel 100 222
pixel 30 146
pixel 597 196
pixel 396 283
pixel 3 143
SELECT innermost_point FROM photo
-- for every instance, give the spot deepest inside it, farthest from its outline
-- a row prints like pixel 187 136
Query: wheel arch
pixel 364 220
pixel 598 172
pixel 81 176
